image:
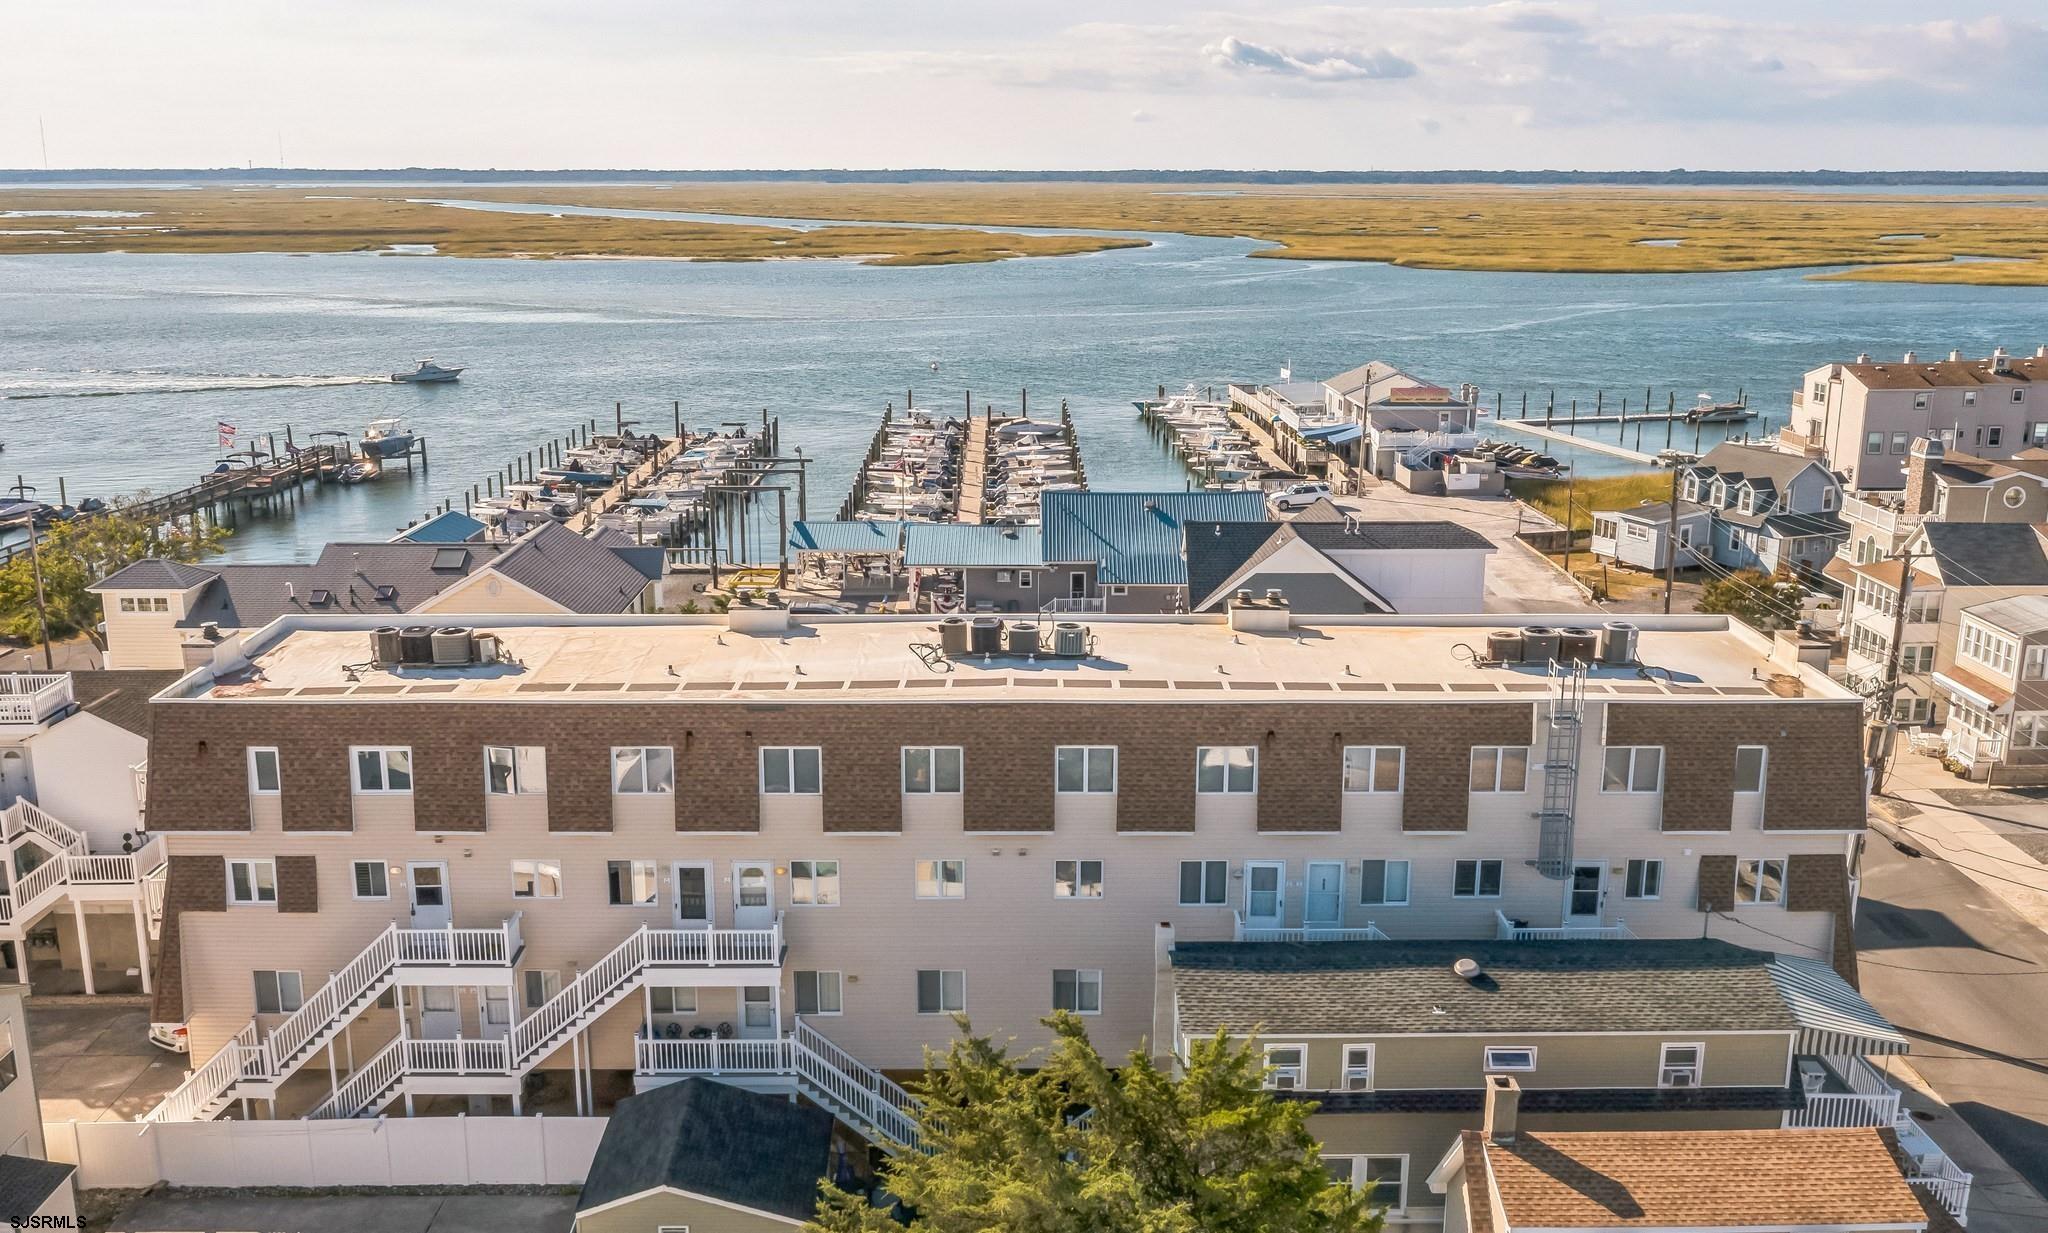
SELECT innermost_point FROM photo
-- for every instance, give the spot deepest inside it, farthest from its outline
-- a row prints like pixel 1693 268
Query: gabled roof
pixel 1987 554
pixel 1135 537
pixel 716 1140
pixel 1659 512
pixel 121 696
pixel 581 574
pixel 1736 462
pixel 447 527
pixel 1399 988
pixel 953 545
pixel 155 574
pixel 369 578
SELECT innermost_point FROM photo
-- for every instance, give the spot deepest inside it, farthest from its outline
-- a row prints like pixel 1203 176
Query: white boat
pixel 428 371
pixel 387 439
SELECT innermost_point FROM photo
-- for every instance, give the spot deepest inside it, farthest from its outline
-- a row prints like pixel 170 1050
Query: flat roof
pixel 1189 658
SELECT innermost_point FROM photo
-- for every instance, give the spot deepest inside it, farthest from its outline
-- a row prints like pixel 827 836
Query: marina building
pixel 1862 417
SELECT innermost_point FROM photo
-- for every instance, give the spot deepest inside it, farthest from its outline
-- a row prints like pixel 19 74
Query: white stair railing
pixel 23 817
pixel 371 1080
pixel 195 1098
pixel 859 1087
pixel 537 1034
pixel 342 990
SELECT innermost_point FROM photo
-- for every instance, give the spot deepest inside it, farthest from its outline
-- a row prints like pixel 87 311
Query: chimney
pixel 1863 357
pixel 2000 361
pixel 1955 357
pixel 1911 357
pixel 1503 1108
pixel 1927 453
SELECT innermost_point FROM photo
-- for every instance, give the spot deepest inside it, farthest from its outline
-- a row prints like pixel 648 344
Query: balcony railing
pixel 1506 930
pixel 1870 1100
pixel 31 698
pixel 713 1057
pixel 1242 932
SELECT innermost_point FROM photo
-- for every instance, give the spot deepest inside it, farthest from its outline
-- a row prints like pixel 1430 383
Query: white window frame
pixel 1374 756
pixel 655 756
pixel 284 1005
pixel 1202 878
pixel 820 889
pixel 933 775
pixel 1763 769
pixel 1386 867
pixel 674 996
pixel 932 871
pixel 1756 864
pixel 1081 980
pixel 1479 864
pixel 818 983
pixel 1630 770
pixel 1090 756
pixel 2034 662
pixel 385 755
pixel 253 865
pixel 1667 1070
pixel 1494 1066
pixel 355 879
pixel 525 770
pixel 256 787
pixel 788 755
pixel 1292 1077
pixel 1644 879
pixel 1227 789
pixel 1500 757
pixel 943 1009
pixel 1397 1203
pixel 550 986
pixel 1358 1076
pixel 634 870
pixel 1077 871
pixel 536 869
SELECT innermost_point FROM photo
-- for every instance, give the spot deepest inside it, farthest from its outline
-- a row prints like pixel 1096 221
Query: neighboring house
pixel 1511 1177
pixel 1942 485
pixel 35 1192
pixel 165 614
pixel 1343 566
pixel 700 1154
pixel 1395 1041
pixel 1000 568
pixel 1996 683
pixel 1860 418
pixel 1641 536
pixel 1768 510
pixel 1124 551
pixel 1367 417
pixel 77 744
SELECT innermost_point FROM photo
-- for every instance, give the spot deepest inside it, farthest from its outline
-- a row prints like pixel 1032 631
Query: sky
pixel 686 84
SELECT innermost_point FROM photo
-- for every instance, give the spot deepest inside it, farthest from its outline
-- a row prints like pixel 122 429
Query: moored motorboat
pixel 427 373
pixel 387 438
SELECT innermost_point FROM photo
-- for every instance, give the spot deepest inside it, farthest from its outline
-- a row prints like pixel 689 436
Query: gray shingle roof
pixel 1367 535
pixel 712 1139
pixel 1219 552
pixel 580 574
pixel 1735 460
pixel 1987 554
pixel 1216 551
pixel 155 574
pixel 2022 614
pixel 1408 987
pixel 121 696
pixel 1561 1100
pixel 249 596
pixel 26 1183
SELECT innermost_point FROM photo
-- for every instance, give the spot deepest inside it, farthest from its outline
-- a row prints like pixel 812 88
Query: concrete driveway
pixel 93 1061
pixel 171 1212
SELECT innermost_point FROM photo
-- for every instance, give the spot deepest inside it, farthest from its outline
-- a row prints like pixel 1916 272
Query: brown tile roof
pixel 1780 1179
pixel 121 696
pixel 1889 573
pixel 1946 373
pixel 1478 1204
pixel 1982 687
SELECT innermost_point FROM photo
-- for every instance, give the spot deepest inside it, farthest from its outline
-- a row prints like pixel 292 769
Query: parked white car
pixel 1300 496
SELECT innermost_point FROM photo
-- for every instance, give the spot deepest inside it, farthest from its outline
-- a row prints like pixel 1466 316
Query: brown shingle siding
pixel 298 884
pixel 198 767
pixel 1819 882
pixel 1814 770
pixel 448 779
pixel 1717 884
pixel 191 884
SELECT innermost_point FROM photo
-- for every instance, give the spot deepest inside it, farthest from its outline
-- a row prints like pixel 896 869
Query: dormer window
pixel 1827 497
pixel 1692 487
pixel 1748 501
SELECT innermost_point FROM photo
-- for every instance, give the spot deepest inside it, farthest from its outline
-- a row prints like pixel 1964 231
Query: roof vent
pixel 1243 597
pixel 1911 357
pixel 319 597
pixel 1955 357
pixel 385 594
pixel 1863 358
pixel 2000 361
pixel 1274 595
pixel 1467 969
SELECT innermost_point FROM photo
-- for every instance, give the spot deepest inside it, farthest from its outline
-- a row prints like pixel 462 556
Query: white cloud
pixel 1333 65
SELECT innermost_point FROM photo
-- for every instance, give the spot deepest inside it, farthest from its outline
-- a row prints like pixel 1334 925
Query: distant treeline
pixel 840 175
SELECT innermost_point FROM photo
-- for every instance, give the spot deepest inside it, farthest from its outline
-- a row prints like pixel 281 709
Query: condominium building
pixel 1861 417
pixel 635 848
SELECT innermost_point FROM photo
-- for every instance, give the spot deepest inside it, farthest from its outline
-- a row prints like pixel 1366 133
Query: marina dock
pixel 1589 443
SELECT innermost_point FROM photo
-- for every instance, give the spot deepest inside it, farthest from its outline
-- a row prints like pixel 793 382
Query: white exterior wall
pixel 1422 582
pixel 82 767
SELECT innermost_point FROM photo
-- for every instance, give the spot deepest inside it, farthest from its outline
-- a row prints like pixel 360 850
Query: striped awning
pixel 1834 1020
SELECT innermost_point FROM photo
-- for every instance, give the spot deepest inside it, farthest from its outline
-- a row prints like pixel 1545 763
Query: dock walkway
pixel 1572 439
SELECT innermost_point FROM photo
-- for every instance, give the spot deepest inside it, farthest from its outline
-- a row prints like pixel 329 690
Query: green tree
pixel 76 554
pixel 1209 1151
pixel 1752 596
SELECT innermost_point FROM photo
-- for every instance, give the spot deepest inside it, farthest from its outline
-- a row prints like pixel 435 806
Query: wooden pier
pixel 1577 442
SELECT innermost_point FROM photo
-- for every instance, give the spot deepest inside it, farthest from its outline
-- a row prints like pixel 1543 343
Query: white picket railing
pixel 860 1089
pixel 370 1080
pixel 712 947
pixel 193 1098
pixel 30 698
pixel 1242 932
pixel 23 816
pixel 153 898
pixel 712 1057
pixel 1506 930
pixel 462 1055
pixel 1870 1101
pixel 1949 1185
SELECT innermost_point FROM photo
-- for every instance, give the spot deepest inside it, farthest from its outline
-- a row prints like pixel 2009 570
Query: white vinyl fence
pixel 421 1151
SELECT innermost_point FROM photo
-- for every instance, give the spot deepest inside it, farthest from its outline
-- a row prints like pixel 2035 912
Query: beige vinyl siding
pixel 488 591
pixel 657 1210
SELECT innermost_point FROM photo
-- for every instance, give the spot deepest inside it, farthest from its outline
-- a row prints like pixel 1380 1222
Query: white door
pixel 440 1012
pixel 431 908
pixel 1322 901
pixel 694 906
pixel 757 1012
pixel 1265 894
pixel 13 776
pixel 753 894
pixel 494 1011
pixel 1584 893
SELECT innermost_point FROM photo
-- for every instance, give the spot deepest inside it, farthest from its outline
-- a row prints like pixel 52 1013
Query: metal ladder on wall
pixel 1560 768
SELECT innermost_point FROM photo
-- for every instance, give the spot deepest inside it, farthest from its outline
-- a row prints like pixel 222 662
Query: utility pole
pixel 35 564
pixel 1671 544
pixel 1893 661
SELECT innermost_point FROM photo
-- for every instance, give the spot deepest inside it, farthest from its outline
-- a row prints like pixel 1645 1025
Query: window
pixel 1899 442
pixel 2014 497
pixel 1204 884
pixel 1969 398
pixel 495 1006
pixel 2017 396
pixel 1759 881
pixel 630 884
pixel 1286 1067
pixel 1226 768
pixel 1084 768
pixel 382 771
pixel 1358 1068
pixel 931 768
pixel 1078 990
pixel 1827 497
pixel 518 770
pixel 1386 1177
pixel 1077 879
pixel 146 603
pixel 1645 880
pixel 252 882
pixel 2037 434
pixel 941 991
pixel 1633 768
pixel 648 770
pixel 1820 392
pixel 1750 761
pixel 1503 1058
pixel 1993 650
pixel 791 770
pixel 1680 1065
pixel 1026 579
pixel 541 988
pixel 1383 883
pixel 673 1000
pixel 536 879
pixel 942 879
pixel 1919 402
pixel 2030 729
pixel 1476 880
pixel 1372 768
pixel 757 1006
pixel 814 884
pixel 1874 443
pixel 263 772
pixel 277 993
pixel 1994 434
pixel 817 993
pixel 2035 665
pixel 372 881
pixel 1500 768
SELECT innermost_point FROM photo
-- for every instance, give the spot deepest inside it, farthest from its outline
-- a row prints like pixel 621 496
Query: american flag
pixel 226 431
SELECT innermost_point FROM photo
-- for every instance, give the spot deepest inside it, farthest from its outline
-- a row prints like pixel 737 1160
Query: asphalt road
pixel 1967 981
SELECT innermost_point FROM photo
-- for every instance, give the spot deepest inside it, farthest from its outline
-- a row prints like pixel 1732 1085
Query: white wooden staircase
pixel 72 870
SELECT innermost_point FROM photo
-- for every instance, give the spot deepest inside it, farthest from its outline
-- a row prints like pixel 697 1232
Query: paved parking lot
pixel 94 1062
pixel 172 1212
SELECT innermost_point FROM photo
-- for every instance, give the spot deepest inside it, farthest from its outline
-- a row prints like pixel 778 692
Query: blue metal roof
pixel 856 535
pixel 1135 537
pixel 952 546
pixel 1335 434
pixel 449 527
